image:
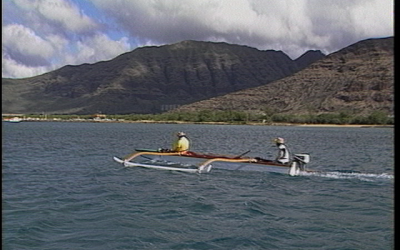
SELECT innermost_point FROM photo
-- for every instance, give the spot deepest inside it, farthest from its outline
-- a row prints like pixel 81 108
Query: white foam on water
pixel 350 175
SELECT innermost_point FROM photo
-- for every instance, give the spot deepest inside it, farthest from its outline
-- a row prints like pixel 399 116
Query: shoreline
pixel 209 123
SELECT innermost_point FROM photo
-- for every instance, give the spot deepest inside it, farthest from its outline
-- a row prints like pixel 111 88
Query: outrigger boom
pixel 193 162
pixel 206 166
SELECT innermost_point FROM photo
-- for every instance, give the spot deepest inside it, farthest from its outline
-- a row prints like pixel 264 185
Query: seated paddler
pixel 283 152
pixel 283 155
pixel 181 144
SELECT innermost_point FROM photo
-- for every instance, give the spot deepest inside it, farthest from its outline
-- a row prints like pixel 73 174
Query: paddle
pixel 141 150
pixel 242 154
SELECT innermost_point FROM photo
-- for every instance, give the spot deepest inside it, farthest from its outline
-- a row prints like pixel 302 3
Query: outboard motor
pixel 298 163
pixel 302 159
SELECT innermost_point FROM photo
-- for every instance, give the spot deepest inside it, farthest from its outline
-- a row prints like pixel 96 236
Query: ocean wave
pixel 351 175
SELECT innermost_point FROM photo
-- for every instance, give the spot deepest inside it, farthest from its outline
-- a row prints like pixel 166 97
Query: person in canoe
pixel 181 144
pixel 283 155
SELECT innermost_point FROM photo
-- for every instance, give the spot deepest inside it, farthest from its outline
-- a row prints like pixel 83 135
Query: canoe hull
pixel 202 165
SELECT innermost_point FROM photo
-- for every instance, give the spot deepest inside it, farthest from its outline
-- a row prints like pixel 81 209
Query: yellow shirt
pixel 182 144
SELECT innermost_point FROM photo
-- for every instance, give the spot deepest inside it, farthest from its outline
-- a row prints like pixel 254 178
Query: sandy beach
pixel 210 123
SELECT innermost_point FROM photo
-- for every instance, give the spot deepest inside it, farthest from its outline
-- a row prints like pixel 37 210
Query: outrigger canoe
pixel 194 162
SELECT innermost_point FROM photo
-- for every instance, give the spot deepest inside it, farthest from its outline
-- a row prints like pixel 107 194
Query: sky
pixel 39 36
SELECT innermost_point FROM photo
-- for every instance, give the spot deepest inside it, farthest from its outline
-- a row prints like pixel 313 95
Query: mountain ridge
pixel 195 75
pixel 148 79
pixel 356 79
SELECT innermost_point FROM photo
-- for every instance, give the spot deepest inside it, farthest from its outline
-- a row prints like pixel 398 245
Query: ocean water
pixel 61 189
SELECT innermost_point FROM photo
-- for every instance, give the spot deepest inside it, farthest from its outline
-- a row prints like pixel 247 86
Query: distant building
pixel 99 116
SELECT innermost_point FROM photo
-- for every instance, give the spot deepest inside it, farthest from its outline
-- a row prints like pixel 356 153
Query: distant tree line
pixel 242 117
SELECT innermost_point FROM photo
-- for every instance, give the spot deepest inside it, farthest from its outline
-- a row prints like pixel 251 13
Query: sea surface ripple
pixel 62 189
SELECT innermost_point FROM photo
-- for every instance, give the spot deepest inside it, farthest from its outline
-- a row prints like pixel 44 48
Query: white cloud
pixel 372 19
pixel 14 69
pixel 26 54
pixel 59 12
pixel 42 35
pixel 97 48
pixel 23 43
pixel 292 25
pixel 51 34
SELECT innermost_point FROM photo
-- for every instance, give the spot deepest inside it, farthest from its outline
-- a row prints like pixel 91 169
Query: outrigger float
pixel 193 162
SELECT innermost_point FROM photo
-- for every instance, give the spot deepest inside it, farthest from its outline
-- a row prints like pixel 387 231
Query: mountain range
pixel 196 75
pixel 358 79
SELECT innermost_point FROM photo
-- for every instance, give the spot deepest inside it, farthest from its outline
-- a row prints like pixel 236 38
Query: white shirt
pixel 283 155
